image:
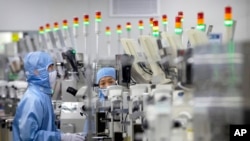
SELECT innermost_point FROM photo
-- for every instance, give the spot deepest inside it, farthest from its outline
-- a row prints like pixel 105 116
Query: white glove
pixel 72 137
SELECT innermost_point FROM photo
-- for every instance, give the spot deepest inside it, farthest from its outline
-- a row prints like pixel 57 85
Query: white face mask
pixel 52 78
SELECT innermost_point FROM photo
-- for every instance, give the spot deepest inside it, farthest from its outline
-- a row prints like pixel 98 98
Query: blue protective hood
pixel 106 71
pixel 38 61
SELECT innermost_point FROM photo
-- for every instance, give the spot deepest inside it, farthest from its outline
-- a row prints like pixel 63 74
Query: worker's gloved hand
pixel 72 137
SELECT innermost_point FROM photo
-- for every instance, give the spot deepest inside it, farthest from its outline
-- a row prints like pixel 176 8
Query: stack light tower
pixel 98 16
pixel 140 26
pixel 108 31
pixel 47 36
pixel 56 26
pixel 98 19
pixel 75 26
pixel 155 28
pixel 108 34
pixel 76 22
pixel 65 24
pixel 228 20
pixel 119 32
pixel 41 30
pixel 200 22
pixel 86 20
pixel 65 28
pixel 119 29
pixel 47 30
pixel 165 22
pixel 128 28
pixel 47 27
pixel 229 24
pixel 178 25
pixel 56 29
pixel 66 33
pixel 151 23
pixel 85 31
pixel 42 39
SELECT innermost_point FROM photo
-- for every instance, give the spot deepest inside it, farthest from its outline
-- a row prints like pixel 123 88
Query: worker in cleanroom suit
pixel 105 77
pixel 34 119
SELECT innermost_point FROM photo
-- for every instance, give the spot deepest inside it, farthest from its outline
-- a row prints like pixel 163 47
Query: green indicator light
pixel 74 51
pixel 41 30
pixel 141 27
pixel 86 19
pixel 65 27
pixel 76 25
pixel 119 31
pixel 201 27
pixel 108 33
pixel 55 29
pixel 65 24
pixel 151 22
pixel 98 20
pixel 128 26
pixel 228 22
pixel 47 30
pixel 155 34
pixel 164 23
pixel 86 23
pixel 178 30
pixel 98 16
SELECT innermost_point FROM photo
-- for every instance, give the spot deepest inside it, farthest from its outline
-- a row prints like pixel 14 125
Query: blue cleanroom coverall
pixel 34 119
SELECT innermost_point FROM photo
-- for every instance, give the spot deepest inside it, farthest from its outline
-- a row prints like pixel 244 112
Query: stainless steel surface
pixel 220 89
